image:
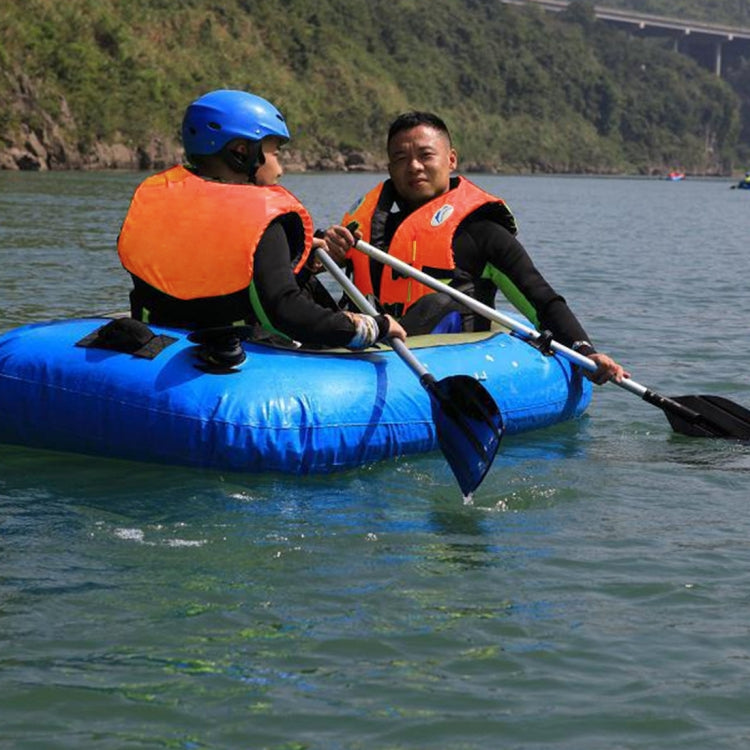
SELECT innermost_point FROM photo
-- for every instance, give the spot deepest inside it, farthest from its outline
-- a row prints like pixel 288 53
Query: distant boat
pixel 744 183
pixel 675 176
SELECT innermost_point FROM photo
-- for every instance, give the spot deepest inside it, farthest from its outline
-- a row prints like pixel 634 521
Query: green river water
pixel 595 595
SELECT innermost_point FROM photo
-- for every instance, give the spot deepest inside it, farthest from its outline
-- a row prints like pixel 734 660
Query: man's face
pixel 420 162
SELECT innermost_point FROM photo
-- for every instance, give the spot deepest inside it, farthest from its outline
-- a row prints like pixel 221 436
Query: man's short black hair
pixel 412 119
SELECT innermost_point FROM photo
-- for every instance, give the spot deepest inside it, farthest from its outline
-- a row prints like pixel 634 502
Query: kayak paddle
pixel 696 416
pixel 467 420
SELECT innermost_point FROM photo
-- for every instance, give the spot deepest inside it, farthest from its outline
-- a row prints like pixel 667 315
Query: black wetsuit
pixel 480 241
pixel 289 305
pixel 286 303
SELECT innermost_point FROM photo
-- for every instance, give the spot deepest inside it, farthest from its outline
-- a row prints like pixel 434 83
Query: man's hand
pixel 395 329
pixel 338 240
pixel 606 369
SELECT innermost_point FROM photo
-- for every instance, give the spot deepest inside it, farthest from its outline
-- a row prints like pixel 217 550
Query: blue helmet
pixel 216 118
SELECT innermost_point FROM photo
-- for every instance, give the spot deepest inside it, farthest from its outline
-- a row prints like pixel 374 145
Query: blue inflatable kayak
pixel 281 410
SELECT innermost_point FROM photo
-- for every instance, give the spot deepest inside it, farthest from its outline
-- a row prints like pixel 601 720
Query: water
pixel 594 595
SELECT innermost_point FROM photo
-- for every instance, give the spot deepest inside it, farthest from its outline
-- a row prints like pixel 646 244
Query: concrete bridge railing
pixel 707 41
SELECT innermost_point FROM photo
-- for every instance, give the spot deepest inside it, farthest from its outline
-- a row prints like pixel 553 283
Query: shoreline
pixel 57 154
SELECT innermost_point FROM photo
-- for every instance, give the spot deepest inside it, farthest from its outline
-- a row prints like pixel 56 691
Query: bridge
pixel 710 43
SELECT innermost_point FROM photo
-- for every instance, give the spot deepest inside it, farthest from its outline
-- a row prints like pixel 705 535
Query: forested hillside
pixel 105 82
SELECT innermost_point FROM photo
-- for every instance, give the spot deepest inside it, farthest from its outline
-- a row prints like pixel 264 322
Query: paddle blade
pixel 714 417
pixel 469 427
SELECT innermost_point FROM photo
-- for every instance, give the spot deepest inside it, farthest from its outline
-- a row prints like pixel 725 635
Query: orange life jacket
pixel 193 238
pixel 424 239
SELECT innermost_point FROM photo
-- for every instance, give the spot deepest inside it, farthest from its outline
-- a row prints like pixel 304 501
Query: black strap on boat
pixel 542 343
pixel 129 337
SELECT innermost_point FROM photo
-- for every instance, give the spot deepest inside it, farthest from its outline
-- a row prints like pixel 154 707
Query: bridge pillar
pixel 717 67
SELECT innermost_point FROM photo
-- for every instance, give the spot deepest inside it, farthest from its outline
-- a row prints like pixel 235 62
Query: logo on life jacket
pixel 441 215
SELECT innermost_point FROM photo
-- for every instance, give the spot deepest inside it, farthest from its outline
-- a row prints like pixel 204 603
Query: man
pixel 451 229
pixel 221 242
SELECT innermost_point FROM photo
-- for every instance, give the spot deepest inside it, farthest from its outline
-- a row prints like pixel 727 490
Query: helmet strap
pixel 244 163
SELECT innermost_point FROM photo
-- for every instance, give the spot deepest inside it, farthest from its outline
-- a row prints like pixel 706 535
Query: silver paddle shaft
pixel 488 312
pixel 367 307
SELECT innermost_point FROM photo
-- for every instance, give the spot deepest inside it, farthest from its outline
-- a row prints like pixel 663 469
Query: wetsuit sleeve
pixel 484 248
pixel 288 308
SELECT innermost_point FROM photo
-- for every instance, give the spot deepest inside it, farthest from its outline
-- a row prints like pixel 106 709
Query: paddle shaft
pixel 526 331
pixel 366 306
pixel 468 423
